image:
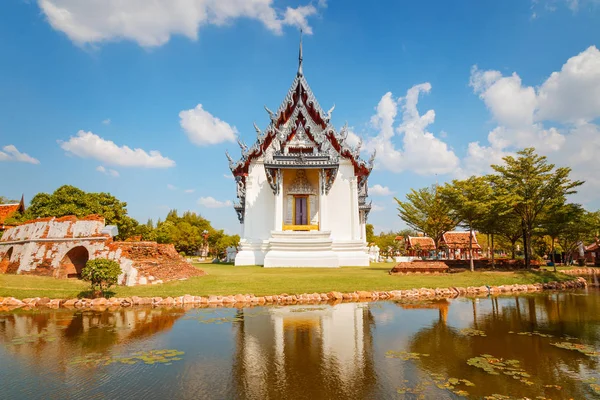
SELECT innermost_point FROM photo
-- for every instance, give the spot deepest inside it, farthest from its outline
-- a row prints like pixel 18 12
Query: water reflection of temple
pixel 305 351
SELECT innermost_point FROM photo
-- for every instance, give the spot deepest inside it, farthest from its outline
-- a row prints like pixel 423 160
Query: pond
pixel 543 346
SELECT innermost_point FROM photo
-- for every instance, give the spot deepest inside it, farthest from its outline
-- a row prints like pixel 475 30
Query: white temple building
pixel 302 189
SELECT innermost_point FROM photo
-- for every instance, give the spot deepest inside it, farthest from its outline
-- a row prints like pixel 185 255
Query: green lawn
pixel 227 279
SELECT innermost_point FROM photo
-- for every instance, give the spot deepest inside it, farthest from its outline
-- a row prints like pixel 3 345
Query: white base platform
pixel 302 249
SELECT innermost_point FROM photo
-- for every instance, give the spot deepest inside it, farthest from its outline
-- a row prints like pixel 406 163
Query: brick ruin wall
pixel 60 247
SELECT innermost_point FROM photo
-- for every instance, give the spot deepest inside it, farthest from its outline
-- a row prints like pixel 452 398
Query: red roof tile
pixel 7 211
pixel 459 240
pixel 424 242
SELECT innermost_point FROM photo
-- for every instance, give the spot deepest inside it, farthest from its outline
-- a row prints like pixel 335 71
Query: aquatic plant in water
pixel 533 333
pixel 44 335
pixel 582 348
pixel 472 332
pixel 497 366
pixel 404 355
pixel 166 357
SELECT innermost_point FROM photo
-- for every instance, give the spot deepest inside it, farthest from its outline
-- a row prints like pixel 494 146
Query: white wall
pixel 339 203
pixel 260 204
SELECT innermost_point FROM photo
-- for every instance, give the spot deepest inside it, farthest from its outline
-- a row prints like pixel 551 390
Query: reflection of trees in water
pixel 323 353
pixel 62 334
pixel 554 314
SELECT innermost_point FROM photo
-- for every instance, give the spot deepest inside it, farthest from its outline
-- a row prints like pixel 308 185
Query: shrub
pixel 101 273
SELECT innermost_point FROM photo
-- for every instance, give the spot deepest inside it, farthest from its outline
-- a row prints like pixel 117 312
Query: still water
pixel 527 346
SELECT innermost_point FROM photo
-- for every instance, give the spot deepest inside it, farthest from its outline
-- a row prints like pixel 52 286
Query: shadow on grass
pixel 95 294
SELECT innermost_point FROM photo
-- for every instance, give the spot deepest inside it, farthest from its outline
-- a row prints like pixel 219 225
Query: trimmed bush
pixel 101 273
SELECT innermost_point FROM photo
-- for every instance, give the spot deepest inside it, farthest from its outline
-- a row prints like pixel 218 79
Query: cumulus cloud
pixel 526 116
pixel 211 202
pixel 107 171
pixel 202 128
pixel 573 94
pixel 377 207
pixel 378 190
pixel 152 23
pixel 421 151
pixel 10 153
pixel 90 145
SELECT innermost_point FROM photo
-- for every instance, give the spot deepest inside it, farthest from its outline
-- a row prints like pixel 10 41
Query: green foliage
pixel 101 273
pixel 7 200
pixel 425 211
pixel 187 233
pixel 370 233
pixel 533 187
pixel 470 203
pixel 69 200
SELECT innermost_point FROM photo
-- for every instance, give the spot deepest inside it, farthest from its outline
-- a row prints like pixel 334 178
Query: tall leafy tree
pixel 576 229
pixel 533 186
pixel 470 204
pixel 69 200
pixel 555 223
pixel 425 211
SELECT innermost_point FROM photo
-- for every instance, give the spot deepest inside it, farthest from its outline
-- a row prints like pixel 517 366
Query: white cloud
pixel 189 190
pixel 421 151
pixel 152 23
pixel 89 145
pixel 525 115
pixel 171 187
pixel 202 128
pixel 573 94
pixel 211 202
pixel 106 121
pixel 107 171
pixel 229 176
pixel 10 153
pixel 378 190
pixel 376 207
pixel 352 139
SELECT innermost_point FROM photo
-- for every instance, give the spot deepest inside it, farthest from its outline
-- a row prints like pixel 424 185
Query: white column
pixel 323 217
pixel 279 204
pixel 354 201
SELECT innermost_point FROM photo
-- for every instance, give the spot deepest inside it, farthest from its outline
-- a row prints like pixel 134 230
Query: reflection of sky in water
pixel 303 351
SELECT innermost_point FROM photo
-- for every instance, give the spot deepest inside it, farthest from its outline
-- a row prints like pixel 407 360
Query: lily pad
pixel 151 357
pixel 582 348
pixel 498 366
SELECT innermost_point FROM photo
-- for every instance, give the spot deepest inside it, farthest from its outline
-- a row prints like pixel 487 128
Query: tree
pixel 69 200
pixel 470 204
pixel 554 224
pixel 101 273
pixel 425 211
pixel 6 200
pixel 510 229
pixel 576 230
pixel 532 186
pixel 370 233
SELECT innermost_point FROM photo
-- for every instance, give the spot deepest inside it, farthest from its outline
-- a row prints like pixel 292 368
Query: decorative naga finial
pixel 231 162
pixel 300 73
pixel 271 113
pixel 329 113
pixel 242 146
pixel 257 129
pixel 372 159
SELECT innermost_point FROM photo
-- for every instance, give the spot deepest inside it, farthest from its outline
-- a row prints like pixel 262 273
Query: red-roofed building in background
pixel 456 244
pixel 419 246
pixel 9 210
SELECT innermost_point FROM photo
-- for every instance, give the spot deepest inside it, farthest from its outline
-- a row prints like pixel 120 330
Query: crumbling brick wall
pixel 59 247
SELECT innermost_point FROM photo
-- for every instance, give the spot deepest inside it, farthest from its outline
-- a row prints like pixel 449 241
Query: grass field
pixel 226 279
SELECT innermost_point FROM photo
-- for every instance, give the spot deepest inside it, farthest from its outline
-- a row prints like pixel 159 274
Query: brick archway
pixel 73 262
pixel 5 263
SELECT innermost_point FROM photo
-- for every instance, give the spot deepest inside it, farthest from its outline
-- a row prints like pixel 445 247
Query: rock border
pixel 245 300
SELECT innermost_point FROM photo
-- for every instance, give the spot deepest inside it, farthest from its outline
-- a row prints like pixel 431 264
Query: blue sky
pixel 440 90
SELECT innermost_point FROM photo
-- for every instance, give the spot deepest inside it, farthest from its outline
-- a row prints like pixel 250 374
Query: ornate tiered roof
pixel 300 135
